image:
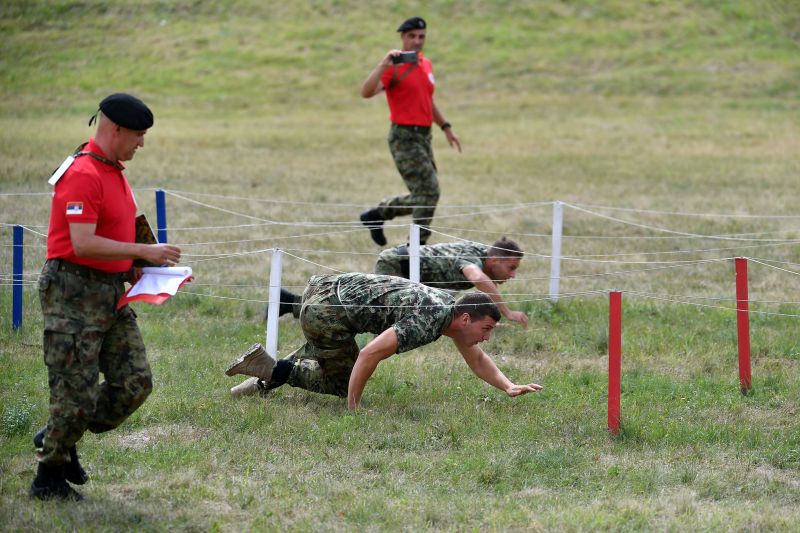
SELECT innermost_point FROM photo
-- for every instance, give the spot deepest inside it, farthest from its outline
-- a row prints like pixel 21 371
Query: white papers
pixel 158 280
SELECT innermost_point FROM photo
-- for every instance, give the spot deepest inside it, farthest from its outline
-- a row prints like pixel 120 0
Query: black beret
pixel 127 111
pixel 414 23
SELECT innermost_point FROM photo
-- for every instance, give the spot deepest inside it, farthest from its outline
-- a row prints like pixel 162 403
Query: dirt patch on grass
pixel 773 474
pixel 143 438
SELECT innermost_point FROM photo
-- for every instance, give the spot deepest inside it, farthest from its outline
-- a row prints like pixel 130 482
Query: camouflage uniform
pixel 440 265
pixel 336 308
pixel 84 334
pixel 413 156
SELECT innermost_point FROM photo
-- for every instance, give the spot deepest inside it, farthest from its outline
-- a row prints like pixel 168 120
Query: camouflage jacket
pixel 441 265
pixel 374 303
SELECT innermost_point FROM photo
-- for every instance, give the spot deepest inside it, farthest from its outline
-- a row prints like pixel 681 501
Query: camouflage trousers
pixel 84 334
pixel 413 156
pixel 393 262
pixel 324 363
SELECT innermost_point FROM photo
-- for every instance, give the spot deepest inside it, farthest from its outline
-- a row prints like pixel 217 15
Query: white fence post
pixel 413 253
pixel 555 256
pixel 274 302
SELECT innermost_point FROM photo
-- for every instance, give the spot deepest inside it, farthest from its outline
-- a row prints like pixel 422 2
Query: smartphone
pixel 405 57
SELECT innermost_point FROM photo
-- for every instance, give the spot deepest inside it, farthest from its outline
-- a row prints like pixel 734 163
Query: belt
pixel 419 129
pixel 89 273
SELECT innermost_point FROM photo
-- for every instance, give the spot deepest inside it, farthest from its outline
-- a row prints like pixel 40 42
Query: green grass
pixel 664 105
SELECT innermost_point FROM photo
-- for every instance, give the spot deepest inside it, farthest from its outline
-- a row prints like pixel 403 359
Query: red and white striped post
pixel 614 358
pixel 743 324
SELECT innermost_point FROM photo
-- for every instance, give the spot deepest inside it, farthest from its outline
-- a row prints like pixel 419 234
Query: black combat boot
pixel 373 219
pixel 280 375
pixel 50 484
pixel 73 470
pixel 288 299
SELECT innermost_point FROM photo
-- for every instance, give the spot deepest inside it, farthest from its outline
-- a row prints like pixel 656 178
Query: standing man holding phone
pixel 407 77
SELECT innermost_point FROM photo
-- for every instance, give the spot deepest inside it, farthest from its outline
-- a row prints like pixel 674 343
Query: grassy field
pixel 683 113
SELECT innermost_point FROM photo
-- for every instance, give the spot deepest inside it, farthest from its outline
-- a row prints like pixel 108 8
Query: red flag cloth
pixel 156 285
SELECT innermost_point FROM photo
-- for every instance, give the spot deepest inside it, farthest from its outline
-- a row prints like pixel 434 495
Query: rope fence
pixel 652 261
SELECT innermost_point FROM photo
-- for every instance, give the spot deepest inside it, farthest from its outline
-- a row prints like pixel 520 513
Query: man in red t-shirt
pixel 409 92
pixel 90 247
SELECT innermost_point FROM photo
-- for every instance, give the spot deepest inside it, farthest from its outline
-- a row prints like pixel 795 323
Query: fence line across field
pixel 555 256
pixel 615 314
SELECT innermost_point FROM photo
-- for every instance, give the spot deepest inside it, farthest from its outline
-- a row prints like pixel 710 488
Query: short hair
pixel 477 305
pixel 505 249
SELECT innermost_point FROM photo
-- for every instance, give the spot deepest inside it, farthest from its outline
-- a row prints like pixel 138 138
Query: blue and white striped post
pixel 161 215
pixel 16 299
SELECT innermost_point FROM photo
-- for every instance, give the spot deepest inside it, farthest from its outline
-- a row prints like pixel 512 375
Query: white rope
pixel 696 251
pixel 655 228
pixel 27 228
pixel 34 277
pixel 769 313
pixel 233 226
pixel 776 261
pixel 24 226
pixel 685 214
pixel 436 228
pixel 597 275
pixel 228 256
pixel 689 297
pixel 327 204
pixel 209 206
pixel 315 264
pixel 580 259
pixel 235 286
pixel 622 237
pixel 773 266
pixel 319 234
pixel 339 223
pixel 412 306
pixel 487 212
pixel 185 292
pixel 354 224
pixel 577 259
pixel 615 273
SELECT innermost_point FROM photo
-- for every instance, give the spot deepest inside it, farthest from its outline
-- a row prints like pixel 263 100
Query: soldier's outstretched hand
pixel 520 317
pixel 519 390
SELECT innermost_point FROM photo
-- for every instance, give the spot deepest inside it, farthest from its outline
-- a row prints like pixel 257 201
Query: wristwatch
pixel 446 125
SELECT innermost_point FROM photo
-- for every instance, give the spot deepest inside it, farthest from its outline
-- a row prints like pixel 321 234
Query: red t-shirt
pixel 91 192
pixel 411 100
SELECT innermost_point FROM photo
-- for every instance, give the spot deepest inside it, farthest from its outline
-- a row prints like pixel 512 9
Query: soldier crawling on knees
pixel 404 315
pixel 454 266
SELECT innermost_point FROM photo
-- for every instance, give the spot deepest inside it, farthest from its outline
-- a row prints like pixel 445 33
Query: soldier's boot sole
pixel 248 387
pixel 255 362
